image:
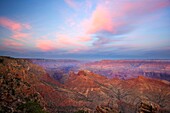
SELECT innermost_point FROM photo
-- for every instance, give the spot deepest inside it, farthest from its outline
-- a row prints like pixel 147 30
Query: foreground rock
pixel 17 93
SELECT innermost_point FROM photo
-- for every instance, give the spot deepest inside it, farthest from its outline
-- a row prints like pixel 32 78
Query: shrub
pixel 31 107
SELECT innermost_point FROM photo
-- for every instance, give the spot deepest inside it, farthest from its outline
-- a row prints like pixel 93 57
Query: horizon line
pixel 93 59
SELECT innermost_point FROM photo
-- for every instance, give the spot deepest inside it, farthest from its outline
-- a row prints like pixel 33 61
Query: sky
pixel 85 29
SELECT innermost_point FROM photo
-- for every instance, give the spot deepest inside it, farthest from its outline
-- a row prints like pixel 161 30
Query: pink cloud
pixel 11 43
pixel 67 41
pixel 140 8
pixel 16 29
pixel 45 45
pixel 100 20
pixel 20 35
pixel 63 42
pixel 84 38
pixel 112 16
pixel 73 44
pixel 13 25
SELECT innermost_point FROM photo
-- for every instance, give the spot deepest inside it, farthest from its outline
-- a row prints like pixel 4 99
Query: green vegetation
pixel 31 107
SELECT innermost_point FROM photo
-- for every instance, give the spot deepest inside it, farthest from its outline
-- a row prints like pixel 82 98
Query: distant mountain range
pixel 123 69
pixel 55 88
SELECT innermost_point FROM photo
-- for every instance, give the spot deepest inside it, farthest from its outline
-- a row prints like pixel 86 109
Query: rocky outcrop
pixel 105 109
pixel 17 93
pixel 148 107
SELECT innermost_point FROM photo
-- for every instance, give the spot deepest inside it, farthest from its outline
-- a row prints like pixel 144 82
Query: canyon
pixel 68 86
pixel 122 69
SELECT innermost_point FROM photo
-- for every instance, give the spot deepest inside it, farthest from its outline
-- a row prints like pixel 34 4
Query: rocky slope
pixel 25 84
pixel 26 87
pixel 18 79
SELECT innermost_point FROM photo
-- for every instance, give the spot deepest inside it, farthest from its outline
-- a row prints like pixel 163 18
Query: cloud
pixel 100 20
pixel 141 8
pixel 16 28
pixel 11 43
pixel 102 41
pixel 84 38
pixel 120 16
pixel 45 45
pixel 13 25
pixel 73 44
pixel 70 42
pixel 20 35
pixel 63 42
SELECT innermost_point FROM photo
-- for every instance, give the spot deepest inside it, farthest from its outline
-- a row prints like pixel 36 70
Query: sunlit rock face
pixel 81 91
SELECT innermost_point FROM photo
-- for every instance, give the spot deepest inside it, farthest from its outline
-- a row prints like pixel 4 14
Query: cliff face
pixel 27 87
pixel 125 69
pixel 116 95
pixel 17 91
pixel 122 69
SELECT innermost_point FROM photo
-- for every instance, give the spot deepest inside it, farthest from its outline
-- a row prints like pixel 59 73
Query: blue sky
pixel 85 29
